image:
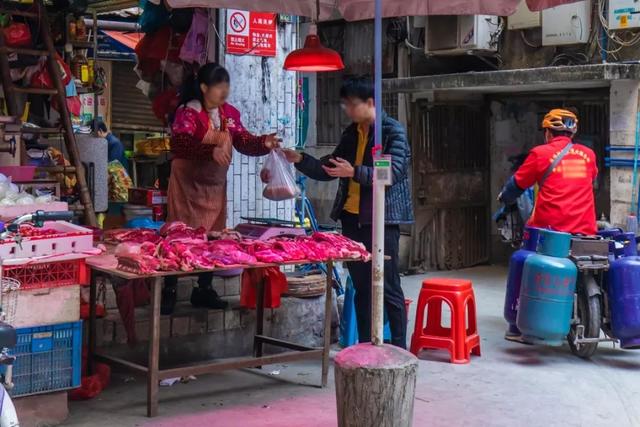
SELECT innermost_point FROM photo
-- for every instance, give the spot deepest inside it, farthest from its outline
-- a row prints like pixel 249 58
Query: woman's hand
pixel 292 156
pixel 222 151
pixel 272 141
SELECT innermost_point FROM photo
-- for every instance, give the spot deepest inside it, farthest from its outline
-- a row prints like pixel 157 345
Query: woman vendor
pixel 204 131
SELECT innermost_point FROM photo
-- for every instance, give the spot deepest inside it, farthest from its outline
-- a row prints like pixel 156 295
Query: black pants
pixel 204 281
pixel 361 276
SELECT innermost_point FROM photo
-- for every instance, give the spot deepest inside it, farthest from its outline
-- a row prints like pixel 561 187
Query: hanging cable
pixel 615 36
pixel 527 42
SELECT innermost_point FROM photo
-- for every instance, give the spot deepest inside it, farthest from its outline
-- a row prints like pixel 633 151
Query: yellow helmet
pixel 561 120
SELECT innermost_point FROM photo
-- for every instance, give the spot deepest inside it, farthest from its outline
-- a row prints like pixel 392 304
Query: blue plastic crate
pixel 48 358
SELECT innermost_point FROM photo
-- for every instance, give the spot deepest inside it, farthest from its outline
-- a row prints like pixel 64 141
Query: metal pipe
pixel 113 25
pixel 377 264
pixel 634 189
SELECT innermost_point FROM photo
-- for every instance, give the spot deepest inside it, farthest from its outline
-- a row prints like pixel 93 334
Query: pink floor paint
pixel 307 411
pixel 318 410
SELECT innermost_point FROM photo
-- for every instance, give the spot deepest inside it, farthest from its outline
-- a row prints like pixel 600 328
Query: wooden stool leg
pixel 154 348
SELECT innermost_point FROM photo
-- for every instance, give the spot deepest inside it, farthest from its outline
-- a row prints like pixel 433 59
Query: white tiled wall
pixel 265 94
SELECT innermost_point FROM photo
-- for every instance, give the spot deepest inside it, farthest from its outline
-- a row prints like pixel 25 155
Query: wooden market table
pixel 106 265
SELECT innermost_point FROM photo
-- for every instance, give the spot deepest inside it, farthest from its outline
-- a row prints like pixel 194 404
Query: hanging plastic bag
pixel 154 15
pixel 42 79
pixel 119 182
pixel 194 48
pixel 175 72
pixel 17 34
pixel 282 180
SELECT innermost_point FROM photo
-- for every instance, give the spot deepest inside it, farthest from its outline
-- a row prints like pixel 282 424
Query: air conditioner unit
pixel 451 35
pixel 523 18
pixel 624 14
pixel 566 24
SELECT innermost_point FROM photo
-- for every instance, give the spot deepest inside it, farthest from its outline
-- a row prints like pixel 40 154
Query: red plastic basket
pixel 49 274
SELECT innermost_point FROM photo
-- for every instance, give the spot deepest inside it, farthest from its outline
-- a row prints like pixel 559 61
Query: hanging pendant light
pixel 313 56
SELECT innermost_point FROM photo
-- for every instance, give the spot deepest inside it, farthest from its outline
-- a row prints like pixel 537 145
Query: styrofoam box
pixel 10 212
pixel 72 239
pixel 47 306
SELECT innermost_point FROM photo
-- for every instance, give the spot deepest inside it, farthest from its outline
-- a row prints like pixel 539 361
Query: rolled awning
pixel 354 10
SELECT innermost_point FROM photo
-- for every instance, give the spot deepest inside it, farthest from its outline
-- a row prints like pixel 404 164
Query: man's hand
pixel 272 141
pixel 292 156
pixel 341 169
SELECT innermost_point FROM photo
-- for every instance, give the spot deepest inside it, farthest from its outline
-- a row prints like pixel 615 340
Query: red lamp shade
pixel 313 57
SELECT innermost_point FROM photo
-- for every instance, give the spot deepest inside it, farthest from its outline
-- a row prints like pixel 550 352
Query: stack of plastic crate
pixel 46 314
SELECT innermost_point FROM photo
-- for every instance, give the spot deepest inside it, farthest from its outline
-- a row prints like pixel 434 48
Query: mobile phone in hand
pixel 326 161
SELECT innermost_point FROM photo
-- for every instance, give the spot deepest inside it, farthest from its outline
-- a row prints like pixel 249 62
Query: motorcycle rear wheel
pixel 590 315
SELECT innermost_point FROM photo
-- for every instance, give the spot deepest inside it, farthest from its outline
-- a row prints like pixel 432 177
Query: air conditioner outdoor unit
pixel 566 24
pixel 451 35
pixel 523 18
pixel 624 14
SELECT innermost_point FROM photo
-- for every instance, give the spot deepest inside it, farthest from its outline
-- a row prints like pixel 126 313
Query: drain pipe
pixel 636 152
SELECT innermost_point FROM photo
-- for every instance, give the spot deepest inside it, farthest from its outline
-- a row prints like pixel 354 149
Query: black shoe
pixel 207 298
pixel 169 299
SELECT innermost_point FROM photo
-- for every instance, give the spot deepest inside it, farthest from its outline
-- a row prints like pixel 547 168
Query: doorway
pixel 450 144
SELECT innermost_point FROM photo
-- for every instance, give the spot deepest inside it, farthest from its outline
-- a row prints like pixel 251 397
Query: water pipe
pixel 634 191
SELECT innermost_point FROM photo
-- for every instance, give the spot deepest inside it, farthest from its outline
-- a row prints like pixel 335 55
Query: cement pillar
pixel 623 109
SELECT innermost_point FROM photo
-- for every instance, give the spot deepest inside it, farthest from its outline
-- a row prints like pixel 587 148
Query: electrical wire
pixel 407 41
pixel 527 42
pixel 614 36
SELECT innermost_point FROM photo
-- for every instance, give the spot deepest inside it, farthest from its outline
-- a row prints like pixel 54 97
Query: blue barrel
pixel 624 296
pixel 516 263
pixel 548 286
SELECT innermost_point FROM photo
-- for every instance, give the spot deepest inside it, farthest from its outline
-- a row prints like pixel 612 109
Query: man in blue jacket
pixel 352 163
pixel 114 145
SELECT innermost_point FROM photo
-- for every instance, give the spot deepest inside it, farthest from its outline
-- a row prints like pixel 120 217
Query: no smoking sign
pixel 238 23
pixel 251 33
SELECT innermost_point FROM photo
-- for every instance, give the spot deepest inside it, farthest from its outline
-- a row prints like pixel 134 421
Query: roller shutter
pixel 131 110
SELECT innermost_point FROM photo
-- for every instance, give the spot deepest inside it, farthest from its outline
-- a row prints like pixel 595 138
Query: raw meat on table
pixel 347 247
pixel 137 235
pixel 184 249
pixel 137 258
pixel 180 231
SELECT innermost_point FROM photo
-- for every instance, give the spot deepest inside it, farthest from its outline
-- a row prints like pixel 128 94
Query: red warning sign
pixel 251 33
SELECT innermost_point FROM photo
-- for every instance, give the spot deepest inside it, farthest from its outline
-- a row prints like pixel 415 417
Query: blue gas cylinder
pixel 623 289
pixel 610 234
pixel 514 280
pixel 548 285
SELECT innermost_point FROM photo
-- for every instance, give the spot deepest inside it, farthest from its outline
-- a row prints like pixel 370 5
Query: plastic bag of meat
pixel 282 180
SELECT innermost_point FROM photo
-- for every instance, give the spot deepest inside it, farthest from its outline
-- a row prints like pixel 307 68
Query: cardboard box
pixel 147 196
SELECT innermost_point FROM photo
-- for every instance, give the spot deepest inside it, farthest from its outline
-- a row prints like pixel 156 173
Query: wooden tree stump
pixel 375 386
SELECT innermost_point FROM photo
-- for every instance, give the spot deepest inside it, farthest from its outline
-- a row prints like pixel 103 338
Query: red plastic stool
pixel 461 340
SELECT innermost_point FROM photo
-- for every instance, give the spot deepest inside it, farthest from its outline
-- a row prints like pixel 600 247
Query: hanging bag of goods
pixel 17 34
pixel 282 183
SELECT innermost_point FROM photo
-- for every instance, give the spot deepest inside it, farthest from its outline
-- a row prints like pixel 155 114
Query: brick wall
pixel 265 94
pixel 185 321
pixel 221 333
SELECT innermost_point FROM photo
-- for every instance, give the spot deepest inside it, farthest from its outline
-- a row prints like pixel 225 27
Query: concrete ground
pixel 510 385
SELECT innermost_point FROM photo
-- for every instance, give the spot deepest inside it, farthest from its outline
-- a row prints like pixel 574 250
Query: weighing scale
pixel 266 228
